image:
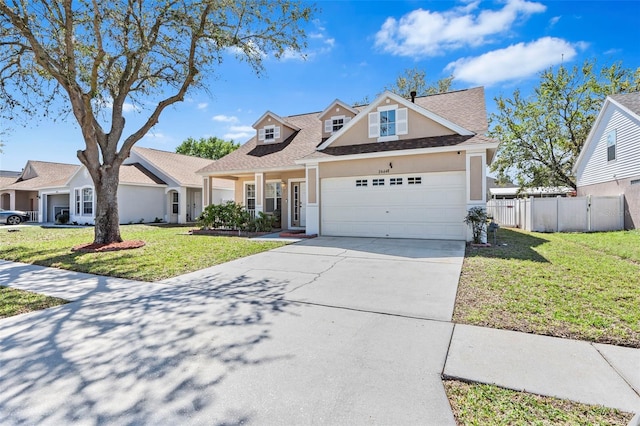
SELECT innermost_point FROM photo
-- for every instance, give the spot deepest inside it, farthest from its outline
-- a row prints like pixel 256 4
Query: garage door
pixel 430 205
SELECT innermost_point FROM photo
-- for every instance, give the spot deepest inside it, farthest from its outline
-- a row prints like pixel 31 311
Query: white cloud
pixel 425 33
pixel 225 118
pixel 203 105
pixel 128 107
pixel 239 132
pixel 554 20
pixel 514 62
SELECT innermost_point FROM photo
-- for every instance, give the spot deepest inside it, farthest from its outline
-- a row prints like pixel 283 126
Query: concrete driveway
pixel 326 331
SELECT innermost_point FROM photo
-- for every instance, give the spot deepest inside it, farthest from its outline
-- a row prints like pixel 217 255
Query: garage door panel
pixel 435 208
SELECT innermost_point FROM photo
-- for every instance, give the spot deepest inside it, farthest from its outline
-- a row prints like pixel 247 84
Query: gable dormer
pixel 272 128
pixel 391 118
pixel 335 117
pixel 29 172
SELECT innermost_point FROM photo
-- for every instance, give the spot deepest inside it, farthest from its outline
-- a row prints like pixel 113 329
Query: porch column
pixel 206 192
pixel 182 204
pixel 313 205
pixel 476 183
pixel 259 179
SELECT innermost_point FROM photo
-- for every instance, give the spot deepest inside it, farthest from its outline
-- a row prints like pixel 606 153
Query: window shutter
pixel 346 120
pixel 261 134
pixel 374 125
pixel 402 121
pixel 328 126
pixel 276 132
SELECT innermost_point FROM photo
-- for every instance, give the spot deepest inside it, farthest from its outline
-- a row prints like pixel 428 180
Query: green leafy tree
pixel 415 79
pixel 95 58
pixel 541 135
pixel 212 148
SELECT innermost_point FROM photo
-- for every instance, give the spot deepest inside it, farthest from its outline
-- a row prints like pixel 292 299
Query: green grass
pixel 479 404
pixel 582 286
pixel 169 251
pixel 15 302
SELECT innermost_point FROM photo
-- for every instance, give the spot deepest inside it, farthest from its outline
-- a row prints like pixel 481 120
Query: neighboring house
pixel 7 178
pixel 609 163
pixel 395 168
pixel 40 190
pixel 154 185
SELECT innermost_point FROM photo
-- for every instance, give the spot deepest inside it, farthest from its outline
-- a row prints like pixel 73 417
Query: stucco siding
pixel 419 127
pixel 594 168
pixel 136 203
pixel 424 163
pixel 631 190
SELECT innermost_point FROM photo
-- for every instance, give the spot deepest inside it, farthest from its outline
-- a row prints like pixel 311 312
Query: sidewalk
pixel 580 371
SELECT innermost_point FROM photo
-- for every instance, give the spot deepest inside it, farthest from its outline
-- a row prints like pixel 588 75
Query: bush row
pixel 233 216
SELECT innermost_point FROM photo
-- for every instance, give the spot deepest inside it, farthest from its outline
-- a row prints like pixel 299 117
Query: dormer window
pixel 335 123
pixel 269 133
pixel 388 122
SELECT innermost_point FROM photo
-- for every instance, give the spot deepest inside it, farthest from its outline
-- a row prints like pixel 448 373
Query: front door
pixel 298 206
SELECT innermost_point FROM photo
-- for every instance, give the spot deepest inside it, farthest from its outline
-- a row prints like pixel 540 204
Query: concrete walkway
pixel 325 331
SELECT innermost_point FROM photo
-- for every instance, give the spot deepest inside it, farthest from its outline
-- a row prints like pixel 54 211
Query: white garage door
pixel 428 205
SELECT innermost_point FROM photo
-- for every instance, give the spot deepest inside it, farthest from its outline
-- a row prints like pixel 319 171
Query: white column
pixel 259 179
pixel 313 206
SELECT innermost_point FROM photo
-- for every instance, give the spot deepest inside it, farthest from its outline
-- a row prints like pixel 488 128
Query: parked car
pixel 13 217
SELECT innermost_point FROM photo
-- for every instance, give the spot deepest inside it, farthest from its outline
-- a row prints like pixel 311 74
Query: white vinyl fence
pixel 561 214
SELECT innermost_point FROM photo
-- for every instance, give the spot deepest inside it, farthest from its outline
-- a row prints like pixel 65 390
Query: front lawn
pixel 479 404
pixel 581 286
pixel 169 251
pixel 15 302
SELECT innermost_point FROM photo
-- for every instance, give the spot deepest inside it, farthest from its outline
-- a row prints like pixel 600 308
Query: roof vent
pixel 413 96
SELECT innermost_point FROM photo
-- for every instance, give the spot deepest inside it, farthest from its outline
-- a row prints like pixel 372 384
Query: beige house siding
pixel 335 111
pixel 285 131
pixel 419 127
pixel 475 178
pixel 283 177
pixel 622 186
pixel 423 163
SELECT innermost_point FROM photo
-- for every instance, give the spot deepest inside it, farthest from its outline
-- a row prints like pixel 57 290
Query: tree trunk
pixel 107 228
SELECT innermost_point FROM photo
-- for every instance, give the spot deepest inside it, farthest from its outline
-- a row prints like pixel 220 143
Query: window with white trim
pixel 250 189
pixel 377 182
pixel 611 145
pixel 388 122
pixel 335 123
pixel 87 201
pixel 270 133
pixel 361 182
pixel 78 209
pixel 273 197
pixel 175 202
pixel 414 180
pixel 395 181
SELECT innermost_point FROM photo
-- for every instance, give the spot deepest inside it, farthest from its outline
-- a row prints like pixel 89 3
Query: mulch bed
pixel 227 233
pixel 101 248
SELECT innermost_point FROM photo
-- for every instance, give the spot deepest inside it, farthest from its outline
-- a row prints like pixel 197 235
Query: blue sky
pixel 356 48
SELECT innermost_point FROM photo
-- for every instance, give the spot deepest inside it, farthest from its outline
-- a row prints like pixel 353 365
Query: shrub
pixel 229 215
pixel 476 218
pixel 62 218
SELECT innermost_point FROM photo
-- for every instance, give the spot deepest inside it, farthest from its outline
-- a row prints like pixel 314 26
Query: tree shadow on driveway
pixel 139 355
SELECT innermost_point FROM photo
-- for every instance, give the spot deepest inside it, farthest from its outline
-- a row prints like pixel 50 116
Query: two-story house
pixel 609 163
pixel 395 168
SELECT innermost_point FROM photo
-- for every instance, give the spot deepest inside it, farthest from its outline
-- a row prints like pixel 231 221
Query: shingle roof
pixel 181 168
pixel 465 108
pixel 48 175
pixel 136 173
pixel 417 143
pixel 629 100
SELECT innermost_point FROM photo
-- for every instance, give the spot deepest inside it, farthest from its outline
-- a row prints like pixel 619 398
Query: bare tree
pixel 88 56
